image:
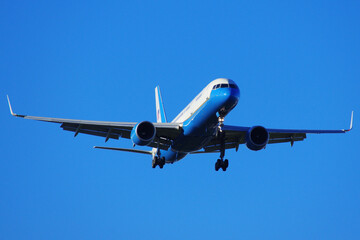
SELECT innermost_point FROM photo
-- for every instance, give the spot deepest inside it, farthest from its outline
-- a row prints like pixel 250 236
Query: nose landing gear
pixel 221 163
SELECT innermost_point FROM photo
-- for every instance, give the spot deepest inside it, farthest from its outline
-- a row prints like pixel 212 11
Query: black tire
pixel 155 162
pixel 217 165
pixel 226 163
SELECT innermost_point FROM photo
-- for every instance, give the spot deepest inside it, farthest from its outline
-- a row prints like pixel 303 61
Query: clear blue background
pixel 297 65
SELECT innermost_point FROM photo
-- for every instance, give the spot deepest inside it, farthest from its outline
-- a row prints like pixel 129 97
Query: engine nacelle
pixel 143 133
pixel 256 138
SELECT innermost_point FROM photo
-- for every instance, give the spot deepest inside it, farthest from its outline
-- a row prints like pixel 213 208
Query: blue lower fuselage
pixel 202 125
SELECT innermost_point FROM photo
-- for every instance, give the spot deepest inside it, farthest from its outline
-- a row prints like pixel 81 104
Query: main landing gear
pixel 221 163
pixel 158 161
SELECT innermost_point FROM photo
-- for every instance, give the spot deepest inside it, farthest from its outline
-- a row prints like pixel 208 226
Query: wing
pixel 165 132
pixel 235 135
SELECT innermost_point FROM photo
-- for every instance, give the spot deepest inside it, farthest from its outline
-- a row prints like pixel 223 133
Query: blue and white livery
pixel 199 128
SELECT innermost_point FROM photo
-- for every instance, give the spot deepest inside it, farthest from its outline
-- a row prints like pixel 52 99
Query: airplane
pixel 199 128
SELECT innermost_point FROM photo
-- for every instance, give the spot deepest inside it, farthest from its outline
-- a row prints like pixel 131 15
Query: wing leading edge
pixel 165 132
pixel 235 135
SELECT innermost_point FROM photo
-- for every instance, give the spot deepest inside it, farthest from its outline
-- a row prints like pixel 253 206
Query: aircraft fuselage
pixel 200 118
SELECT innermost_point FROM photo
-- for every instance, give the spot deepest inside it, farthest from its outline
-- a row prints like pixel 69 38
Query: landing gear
pixel 223 164
pixel 154 162
pixel 158 161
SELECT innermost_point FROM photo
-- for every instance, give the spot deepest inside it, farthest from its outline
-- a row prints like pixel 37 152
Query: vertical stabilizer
pixel 160 111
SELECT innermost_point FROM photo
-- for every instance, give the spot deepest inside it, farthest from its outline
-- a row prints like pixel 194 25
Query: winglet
pixel 351 121
pixel 11 111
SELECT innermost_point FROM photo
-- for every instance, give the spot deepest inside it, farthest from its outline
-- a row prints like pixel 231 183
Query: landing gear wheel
pixel 221 164
pixel 158 162
pixel 155 162
pixel 225 165
pixel 217 165
pixel 162 162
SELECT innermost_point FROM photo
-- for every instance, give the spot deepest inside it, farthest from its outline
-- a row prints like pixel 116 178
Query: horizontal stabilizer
pixel 125 150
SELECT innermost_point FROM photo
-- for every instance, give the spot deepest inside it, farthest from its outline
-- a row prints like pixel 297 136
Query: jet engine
pixel 256 138
pixel 143 133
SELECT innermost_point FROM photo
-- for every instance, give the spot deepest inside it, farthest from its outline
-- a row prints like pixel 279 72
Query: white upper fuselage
pixel 199 119
pixel 199 100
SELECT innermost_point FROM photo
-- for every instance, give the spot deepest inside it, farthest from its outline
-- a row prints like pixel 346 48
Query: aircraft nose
pixel 231 95
pixel 226 97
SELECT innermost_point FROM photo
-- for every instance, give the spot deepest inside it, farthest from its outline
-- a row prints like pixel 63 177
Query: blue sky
pixel 296 63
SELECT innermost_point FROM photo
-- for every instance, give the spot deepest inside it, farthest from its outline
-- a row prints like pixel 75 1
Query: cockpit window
pixel 216 86
pixel 224 85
